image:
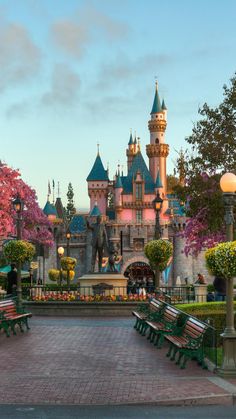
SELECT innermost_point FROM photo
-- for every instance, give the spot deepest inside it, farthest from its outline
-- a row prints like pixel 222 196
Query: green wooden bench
pixel 188 344
pixel 163 324
pixel 144 312
pixel 11 316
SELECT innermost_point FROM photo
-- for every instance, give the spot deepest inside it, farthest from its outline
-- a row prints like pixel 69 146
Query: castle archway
pixel 139 271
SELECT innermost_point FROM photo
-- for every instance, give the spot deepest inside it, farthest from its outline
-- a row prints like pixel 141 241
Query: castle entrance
pixel 140 276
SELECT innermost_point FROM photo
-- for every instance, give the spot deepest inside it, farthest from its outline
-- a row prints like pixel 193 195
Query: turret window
pixel 138 191
pixel 138 216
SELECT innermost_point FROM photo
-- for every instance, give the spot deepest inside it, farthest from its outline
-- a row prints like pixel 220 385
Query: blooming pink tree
pixel 198 236
pixel 36 226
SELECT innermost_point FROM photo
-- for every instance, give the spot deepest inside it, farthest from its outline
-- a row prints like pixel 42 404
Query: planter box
pixel 80 309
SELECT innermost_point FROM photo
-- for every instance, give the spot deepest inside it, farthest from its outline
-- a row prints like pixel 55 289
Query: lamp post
pixel 60 252
pixel 228 368
pixel 18 206
pixel 68 237
pixel 157 205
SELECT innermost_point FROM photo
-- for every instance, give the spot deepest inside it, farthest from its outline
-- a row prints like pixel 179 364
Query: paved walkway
pixel 98 361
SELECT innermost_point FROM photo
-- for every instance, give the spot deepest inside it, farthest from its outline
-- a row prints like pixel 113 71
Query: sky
pixel 74 73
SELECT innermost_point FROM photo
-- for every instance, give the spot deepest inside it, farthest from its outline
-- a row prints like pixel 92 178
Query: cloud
pixel 19 56
pixel 74 35
pixel 65 87
pixel 100 22
pixel 123 68
pixel 70 37
pixel 18 110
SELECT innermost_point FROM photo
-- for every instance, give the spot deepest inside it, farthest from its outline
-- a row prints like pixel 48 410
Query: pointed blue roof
pixel 49 209
pixel 135 139
pixel 163 106
pixel 77 224
pixel 118 183
pixel 130 139
pixel 156 107
pixel 95 211
pixel 158 183
pixel 98 172
pixel 138 164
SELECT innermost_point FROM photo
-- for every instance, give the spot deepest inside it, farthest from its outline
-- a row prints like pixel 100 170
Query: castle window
pixel 138 191
pixel 156 141
pixel 138 216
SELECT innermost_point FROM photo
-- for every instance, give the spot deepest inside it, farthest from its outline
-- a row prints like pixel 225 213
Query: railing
pixel 172 295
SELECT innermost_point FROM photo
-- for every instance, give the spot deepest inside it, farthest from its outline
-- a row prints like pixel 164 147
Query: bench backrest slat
pixel 194 329
pixel 8 307
pixel 155 306
pixel 170 315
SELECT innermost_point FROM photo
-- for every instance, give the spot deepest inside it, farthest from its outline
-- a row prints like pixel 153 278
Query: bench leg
pixel 6 330
pixel 145 326
pixel 12 325
pixel 160 341
pixel 150 334
pixel 169 350
pixel 153 335
pixel 174 352
pixel 136 323
pixel 27 324
pixel 179 358
pixel 183 365
pixel 156 339
pixel 21 328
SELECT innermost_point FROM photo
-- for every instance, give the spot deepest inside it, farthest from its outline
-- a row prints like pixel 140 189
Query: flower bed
pixel 76 296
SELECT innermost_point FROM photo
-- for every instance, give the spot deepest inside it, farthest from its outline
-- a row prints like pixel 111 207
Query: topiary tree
pixel 158 253
pixel 221 260
pixel 54 275
pixel 19 252
pixel 68 265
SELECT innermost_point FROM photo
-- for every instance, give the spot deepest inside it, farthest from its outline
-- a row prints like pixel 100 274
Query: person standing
pixel 12 280
pixel 219 284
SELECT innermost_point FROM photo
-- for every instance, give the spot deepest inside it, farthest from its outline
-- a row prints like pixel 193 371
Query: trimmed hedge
pixel 215 312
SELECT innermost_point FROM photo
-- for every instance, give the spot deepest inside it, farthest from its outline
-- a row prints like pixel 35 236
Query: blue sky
pixel 75 73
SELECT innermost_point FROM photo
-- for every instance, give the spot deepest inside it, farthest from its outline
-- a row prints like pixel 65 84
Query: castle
pixel 126 206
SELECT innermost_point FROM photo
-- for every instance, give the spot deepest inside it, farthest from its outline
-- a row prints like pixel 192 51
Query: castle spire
pixel 131 141
pixel 158 183
pixel 156 107
pixel 163 106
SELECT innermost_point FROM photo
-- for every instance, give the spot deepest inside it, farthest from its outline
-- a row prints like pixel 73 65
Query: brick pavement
pixel 98 361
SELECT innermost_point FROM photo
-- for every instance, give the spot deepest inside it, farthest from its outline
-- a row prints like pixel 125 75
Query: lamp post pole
pixel 18 205
pixel 60 252
pixel 68 237
pixel 157 205
pixel 228 368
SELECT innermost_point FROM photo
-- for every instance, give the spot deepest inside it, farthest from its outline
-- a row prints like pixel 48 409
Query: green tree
pixel 158 253
pixel 212 153
pixel 70 208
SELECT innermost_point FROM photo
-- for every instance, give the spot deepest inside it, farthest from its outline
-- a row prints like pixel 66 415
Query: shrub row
pixel 214 313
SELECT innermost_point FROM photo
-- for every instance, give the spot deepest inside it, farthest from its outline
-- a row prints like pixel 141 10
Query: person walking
pixel 12 280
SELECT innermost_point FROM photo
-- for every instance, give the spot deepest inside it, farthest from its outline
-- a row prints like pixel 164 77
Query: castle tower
pixel 131 151
pixel 98 185
pixel 157 151
pixel 118 196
